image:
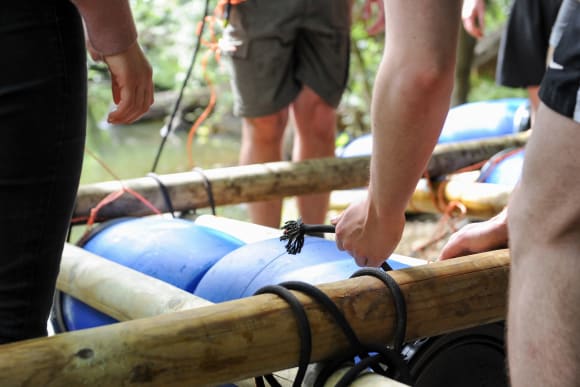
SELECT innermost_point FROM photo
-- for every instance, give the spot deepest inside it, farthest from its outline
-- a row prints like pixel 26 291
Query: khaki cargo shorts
pixel 274 47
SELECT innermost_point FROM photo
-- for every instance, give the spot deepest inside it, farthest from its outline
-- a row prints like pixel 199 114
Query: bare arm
pixel 410 101
pixel 112 37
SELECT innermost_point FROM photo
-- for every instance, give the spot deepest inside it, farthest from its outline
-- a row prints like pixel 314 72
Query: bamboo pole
pixel 257 335
pixel 234 185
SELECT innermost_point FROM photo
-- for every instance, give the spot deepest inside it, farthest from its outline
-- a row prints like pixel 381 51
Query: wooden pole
pixel 126 294
pixel 256 335
pixel 234 185
pixel 481 200
pixel 119 291
pixel 450 157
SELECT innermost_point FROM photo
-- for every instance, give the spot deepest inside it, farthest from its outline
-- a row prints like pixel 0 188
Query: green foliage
pixel 167 33
pixel 484 88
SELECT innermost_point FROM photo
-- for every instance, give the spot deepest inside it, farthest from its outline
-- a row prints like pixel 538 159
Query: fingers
pixel 132 103
pixel 132 106
pixel 472 28
pixel 452 250
pixel 132 85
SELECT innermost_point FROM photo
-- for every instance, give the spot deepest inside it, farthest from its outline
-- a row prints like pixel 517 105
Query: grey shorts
pixel 277 46
pixel 560 88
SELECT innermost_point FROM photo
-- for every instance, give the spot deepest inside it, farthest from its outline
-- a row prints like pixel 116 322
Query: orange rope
pixel 448 223
pixel 110 198
pixel 213 47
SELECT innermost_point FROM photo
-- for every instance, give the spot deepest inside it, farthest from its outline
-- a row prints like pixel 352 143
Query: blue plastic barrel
pixel 503 168
pixel 470 121
pixel 176 251
pixel 243 271
pixel 484 119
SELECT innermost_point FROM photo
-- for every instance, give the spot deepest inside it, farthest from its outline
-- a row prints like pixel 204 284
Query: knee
pixel 428 79
pixel 315 118
pixel 267 129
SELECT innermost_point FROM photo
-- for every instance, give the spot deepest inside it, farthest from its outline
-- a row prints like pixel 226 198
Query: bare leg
pixel 262 142
pixel 315 132
pixel 544 227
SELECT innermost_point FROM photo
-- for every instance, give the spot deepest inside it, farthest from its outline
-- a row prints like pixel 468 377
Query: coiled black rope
pixel 398 299
pixel 164 193
pixel 303 331
pixel 383 360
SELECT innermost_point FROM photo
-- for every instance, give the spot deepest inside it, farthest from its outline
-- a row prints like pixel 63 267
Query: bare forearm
pixel 109 24
pixel 411 97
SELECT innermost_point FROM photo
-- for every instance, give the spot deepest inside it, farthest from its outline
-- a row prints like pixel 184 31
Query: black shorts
pixel 560 88
pixel 524 44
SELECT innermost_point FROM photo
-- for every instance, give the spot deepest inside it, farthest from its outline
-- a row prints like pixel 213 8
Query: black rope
pixel 164 193
pixel 398 299
pixel 177 104
pixel 303 331
pixel 295 230
pixel 208 188
pixel 383 360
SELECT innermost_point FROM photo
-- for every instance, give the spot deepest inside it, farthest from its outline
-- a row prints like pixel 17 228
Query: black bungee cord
pixel 374 356
pixel 164 193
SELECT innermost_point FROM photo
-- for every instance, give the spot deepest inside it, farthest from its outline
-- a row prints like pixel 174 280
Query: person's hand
pixel 132 84
pixel 379 23
pixel 472 15
pixel 477 237
pixel 362 235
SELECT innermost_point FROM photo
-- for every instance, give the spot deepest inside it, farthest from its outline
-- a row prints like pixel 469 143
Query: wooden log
pixel 257 335
pixel 450 157
pixel 119 291
pixel 481 200
pixel 257 182
pixel 126 294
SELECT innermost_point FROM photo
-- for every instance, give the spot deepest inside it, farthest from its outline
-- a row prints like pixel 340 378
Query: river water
pixel 130 151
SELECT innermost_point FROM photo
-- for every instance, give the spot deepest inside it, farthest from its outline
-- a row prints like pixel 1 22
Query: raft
pixel 210 258
pixel 225 262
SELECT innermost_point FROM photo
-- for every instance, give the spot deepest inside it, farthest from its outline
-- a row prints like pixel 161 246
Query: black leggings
pixel 42 134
